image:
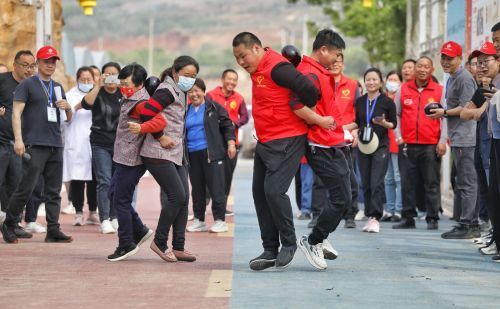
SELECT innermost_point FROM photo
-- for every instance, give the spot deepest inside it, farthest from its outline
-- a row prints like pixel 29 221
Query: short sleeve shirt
pixel 36 128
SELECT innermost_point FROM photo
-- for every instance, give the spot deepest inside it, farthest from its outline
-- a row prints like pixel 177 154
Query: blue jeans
pixel 307 180
pixel 393 186
pixel 102 163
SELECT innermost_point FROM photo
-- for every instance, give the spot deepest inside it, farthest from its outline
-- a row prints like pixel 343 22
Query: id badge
pixel 51 114
pixel 367 133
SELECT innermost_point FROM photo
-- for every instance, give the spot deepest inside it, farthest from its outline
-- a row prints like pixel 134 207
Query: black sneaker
pixel 313 222
pixel 8 234
pixel 140 238
pixel 406 223
pixel 123 253
pixel 432 224
pixel 460 231
pixel 265 260
pixel 285 256
pixel 21 232
pixel 496 258
pixel 304 216
pixel 57 236
pixel 350 224
pixel 229 213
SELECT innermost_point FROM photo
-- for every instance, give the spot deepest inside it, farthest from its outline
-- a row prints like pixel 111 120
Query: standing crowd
pixel 380 143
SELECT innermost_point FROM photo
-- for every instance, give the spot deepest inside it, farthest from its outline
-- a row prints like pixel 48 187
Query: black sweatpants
pixel 494 190
pixel 332 168
pixel 229 166
pixel 420 162
pixel 373 168
pixel 77 189
pixel 352 210
pixel 207 175
pixel 173 180
pixel 275 164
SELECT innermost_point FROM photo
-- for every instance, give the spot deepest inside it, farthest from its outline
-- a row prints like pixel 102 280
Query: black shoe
pixel 229 213
pixel 350 224
pixel 8 234
pixel 285 256
pixel 144 235
pixel 406 223
pixel 21 233
pixel 313 222
pixel 396 218
pixel 57 236
pixel 304 216
pixel 123 253
pixel 460 231
pixel 265 260
pixel 386 218
pixel 432 224
pixel 496 258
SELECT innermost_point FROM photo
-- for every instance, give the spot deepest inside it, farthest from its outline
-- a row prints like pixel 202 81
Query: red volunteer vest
pixel 326 105
pixel 416 128
pixel 345 97
pixel 232 104
pixel 272 114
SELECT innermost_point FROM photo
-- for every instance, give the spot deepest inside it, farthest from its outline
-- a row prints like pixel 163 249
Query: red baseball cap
pixel 47 52
pixel 487 48
pixel 451 49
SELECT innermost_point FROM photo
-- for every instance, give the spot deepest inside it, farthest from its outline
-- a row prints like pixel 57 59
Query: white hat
pixel 370 147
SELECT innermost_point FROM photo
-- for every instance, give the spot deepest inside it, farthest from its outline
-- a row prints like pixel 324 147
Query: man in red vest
pixel 281 101
pixel 346 93
pixel 235 105
pixel 422 144
pixel 326 148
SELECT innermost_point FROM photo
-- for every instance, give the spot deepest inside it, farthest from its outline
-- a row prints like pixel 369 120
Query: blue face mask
pixel 185 83
pixel 85 87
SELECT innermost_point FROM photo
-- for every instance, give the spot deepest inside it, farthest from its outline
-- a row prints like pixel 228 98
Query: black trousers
pixel 373 168
pixel 494 190
pixel 482 184
pixel 36 199
pixel 207 175
pixel 173 180
pixel 352 210
pixel 332 168
pixel 77 189
pixel 45 161
pixel 275 164
pixel 10 173
pixel 420 162
pixel 229 166
pixel 319 197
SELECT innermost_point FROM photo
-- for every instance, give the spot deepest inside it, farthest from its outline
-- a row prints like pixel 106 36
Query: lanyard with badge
pixel 51 110
pixel 367 131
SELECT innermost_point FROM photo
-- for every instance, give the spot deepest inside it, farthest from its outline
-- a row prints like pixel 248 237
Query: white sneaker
pixel 78 220
pixel 106 227
pixel 374 226
pixel 114 224
pixel 190 217
pixel 219 227
pixel 367 225
pixel 69 210
pixel 313 253
pixel 490 250
pixel 92 219
pixel 360 216
pixel 197 226
pixel 34 227
pixel 328 252
pixel 2 216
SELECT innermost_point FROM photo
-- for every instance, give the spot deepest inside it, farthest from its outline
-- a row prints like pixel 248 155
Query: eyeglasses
pixel 27 66
pixel 485 62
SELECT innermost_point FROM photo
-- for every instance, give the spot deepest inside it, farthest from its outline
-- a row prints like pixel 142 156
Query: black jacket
pixel 219 129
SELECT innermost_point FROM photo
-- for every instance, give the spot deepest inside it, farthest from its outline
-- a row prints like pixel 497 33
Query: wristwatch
pixel 445 115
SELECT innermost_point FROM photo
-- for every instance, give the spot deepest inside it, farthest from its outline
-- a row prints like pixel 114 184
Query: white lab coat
pixel 77 163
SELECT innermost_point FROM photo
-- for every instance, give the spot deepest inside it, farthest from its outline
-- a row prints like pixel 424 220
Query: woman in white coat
pixel 77 164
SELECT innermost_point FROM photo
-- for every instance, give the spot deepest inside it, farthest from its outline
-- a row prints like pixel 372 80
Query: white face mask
pixel 185 83
pixel 85 87
pixel 392 86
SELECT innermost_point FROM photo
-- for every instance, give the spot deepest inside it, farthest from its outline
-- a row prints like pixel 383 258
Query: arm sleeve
pixel 225 124
pixel 243 112
pixel 444 131
pixel 357 120
pixel 397 102
pixel 392 112
pixel 160 99
pixel 284 74
pixel 155 125
pixel 21 93
pixel 356 95
pixel 468 90
pixel 85 105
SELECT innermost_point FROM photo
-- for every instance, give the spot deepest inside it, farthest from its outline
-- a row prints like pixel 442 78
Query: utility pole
pixel 151 45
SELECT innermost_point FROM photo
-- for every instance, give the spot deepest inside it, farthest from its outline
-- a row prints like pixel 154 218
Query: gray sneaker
pixel 265 260
pixel 285 256
pixel 313 253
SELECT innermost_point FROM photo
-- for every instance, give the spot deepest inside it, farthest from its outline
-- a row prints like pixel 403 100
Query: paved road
pixel 393 269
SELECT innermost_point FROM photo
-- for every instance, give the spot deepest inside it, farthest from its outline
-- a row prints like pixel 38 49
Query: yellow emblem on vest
pixel 346 92
pixel 232 104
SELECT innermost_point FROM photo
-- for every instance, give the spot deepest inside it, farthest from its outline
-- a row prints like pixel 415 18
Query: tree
pixel 383 26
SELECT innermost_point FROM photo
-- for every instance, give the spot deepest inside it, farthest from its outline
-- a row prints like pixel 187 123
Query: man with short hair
pixel 408 70
pixel 234 103
pixel 10 163
pixel 459 90
pixel 38 100
pixel 281 101
pixel 326 151
pixel 346 93
pixel 423 143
